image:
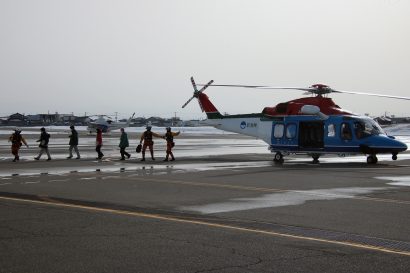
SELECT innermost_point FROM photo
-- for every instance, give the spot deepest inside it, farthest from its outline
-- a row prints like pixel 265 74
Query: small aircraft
pixel 107 125
pixel 310 125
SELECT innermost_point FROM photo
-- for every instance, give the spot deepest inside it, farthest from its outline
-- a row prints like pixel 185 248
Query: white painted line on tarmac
pixel 57 180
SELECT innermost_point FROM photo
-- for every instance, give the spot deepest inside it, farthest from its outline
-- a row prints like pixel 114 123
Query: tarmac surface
pixel 235 212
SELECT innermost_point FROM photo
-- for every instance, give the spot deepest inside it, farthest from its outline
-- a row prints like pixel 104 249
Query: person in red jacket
pixel 98 144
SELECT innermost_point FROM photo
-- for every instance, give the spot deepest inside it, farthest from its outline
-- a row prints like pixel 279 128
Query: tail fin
pixel 208 107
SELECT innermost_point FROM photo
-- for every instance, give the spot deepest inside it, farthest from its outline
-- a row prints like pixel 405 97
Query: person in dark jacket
pixel 73 143
pixel 16 140
pixel 148 142
pixel 124 144
pixel 98 144
pixel 44 139
pixel 169 137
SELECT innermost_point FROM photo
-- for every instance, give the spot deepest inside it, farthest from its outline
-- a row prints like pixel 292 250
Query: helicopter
pixel 107 125
pixel 309 125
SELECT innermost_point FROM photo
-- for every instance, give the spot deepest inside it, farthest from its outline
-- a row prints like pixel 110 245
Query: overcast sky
pixel 123 56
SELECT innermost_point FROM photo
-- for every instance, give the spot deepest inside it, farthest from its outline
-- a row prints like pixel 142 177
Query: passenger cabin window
pixel 278 130
pixel 346 132
pixel 331 132
pixel 291 130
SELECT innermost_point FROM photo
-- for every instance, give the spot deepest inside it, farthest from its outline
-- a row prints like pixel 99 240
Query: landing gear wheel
pixel 372 159
pixel 315 158
pixel 394 157
pixel 278 158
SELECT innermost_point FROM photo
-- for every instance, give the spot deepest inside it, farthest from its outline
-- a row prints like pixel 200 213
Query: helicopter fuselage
pixel 341 134
pixel 314 134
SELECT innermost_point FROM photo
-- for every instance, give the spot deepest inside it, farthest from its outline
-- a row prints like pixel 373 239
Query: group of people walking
pixel 147 136
pixel 146 141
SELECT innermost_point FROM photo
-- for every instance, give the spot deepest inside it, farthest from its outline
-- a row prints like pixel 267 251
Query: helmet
pixel 148 128
pixel 43 129
pixel 17 130
pixel 72 127
pixel 168 128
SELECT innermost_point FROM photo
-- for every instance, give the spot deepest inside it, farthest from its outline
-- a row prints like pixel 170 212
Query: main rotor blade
pixel 186 103
pixel 308 89
pixel 206 86
pixel 194 84
pixel 371 94
pixel 259 87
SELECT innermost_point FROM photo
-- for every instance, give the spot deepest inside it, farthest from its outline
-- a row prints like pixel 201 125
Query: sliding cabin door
pixel 311 135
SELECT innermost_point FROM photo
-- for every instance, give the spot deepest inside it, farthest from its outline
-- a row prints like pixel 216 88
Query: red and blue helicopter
pixel 310 125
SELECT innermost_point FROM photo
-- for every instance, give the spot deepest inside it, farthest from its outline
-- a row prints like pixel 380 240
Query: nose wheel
pixel 372 159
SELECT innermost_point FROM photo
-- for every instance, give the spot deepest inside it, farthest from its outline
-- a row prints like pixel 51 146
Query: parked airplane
pixel 311 125
pixel 107 125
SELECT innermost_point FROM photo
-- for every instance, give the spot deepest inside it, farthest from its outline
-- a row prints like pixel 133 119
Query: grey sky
pixel 137 56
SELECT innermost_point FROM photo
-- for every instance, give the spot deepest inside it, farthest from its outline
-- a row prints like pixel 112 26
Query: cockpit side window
pixel 361 130
pixel 366 127
pixel 345 131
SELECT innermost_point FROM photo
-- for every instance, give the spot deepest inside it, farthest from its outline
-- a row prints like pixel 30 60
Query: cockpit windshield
pixel 365 127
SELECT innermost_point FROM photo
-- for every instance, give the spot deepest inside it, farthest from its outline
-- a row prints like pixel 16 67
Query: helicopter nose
pixel 404 147
pixel 399 146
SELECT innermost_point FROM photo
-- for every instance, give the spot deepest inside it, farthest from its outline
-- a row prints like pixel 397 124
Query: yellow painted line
pixel 208 224
pixel 272 190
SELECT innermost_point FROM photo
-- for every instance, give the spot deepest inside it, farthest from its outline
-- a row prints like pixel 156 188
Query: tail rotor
pixel 196 91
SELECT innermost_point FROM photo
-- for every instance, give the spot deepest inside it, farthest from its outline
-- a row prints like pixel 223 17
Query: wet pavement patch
pixel 397 180
pixel 155 168
pixel 290 198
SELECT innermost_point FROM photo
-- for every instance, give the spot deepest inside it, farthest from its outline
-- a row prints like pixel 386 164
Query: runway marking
pixel 111 177
pixel 51 202
pixel 57 180
pixel 258 189
pixel 31 182
pixel 88 178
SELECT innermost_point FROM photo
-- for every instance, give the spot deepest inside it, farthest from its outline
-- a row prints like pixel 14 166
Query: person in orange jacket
pixel 148 142
pixel 169 137
pixel 16 140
